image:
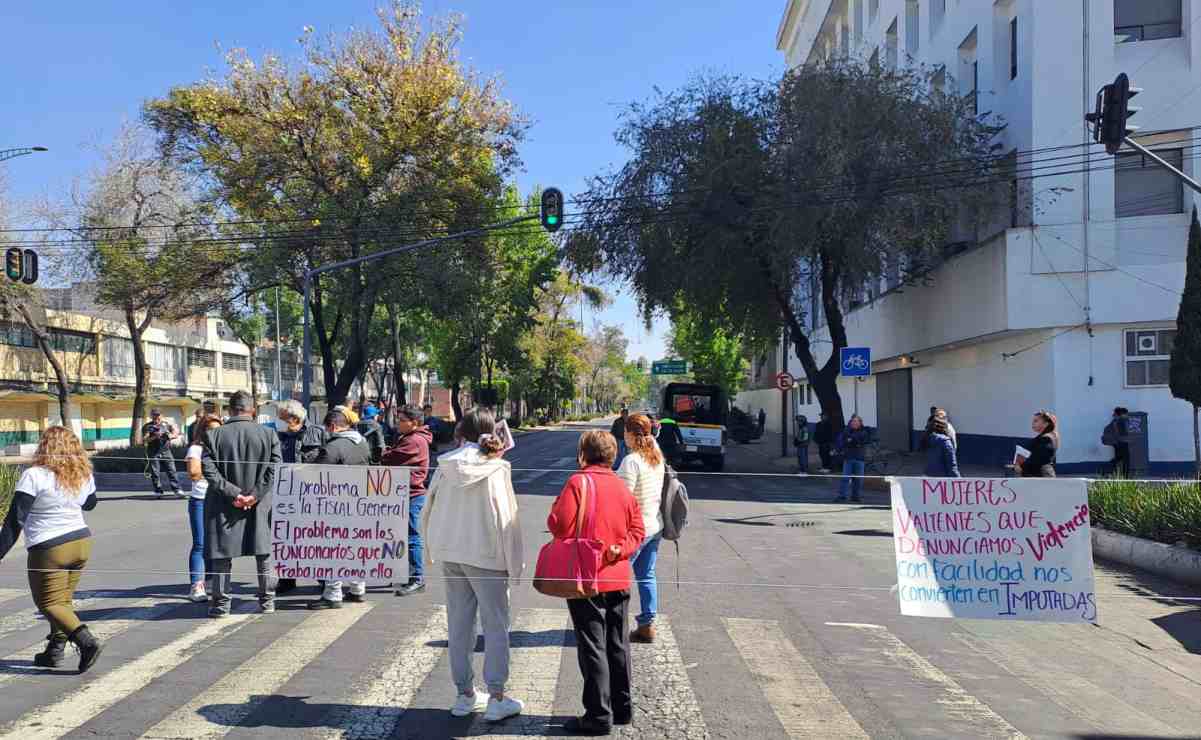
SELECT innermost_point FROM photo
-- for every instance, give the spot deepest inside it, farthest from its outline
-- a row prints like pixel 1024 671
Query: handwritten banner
pixel 341 522
pixel 1012 549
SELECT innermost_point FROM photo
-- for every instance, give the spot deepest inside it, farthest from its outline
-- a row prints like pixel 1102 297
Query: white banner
pixel 341 522
pixel 986 548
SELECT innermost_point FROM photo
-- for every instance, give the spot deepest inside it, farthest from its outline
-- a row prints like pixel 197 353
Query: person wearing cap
pixel 157 435
pixel 372 432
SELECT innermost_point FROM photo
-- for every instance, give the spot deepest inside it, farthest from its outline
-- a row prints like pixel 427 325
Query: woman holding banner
pixel 1040 463
pixel 470 524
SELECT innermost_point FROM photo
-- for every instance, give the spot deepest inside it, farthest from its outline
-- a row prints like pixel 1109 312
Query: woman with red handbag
pixel 596 504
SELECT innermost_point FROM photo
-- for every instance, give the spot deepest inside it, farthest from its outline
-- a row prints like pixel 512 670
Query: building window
pixel 201 358
pixel 236 363
pixel 857 17
pixel 890 44
pixel 16 334
pixel 938 10
pixel 873 10
pixel 1146 20
pixel 166 363
pixel 62 340
pixel 118 357
pixel 1148 356
pixel 1013 49
pixel 969 72
pixel 1143 188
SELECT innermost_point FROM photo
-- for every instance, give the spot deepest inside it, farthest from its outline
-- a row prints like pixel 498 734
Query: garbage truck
pixel 700 411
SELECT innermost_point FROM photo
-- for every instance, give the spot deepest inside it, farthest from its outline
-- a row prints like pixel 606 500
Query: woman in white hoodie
pixel 470 524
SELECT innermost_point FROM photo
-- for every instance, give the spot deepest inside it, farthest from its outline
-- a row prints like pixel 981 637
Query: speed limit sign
pixel 785 381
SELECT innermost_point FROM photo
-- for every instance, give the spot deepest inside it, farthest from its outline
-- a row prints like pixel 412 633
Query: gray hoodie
pixel 345 448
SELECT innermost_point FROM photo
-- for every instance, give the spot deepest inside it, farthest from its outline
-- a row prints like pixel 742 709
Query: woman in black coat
pixel 1041 462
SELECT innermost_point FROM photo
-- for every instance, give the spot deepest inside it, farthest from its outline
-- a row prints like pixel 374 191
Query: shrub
pixel 1164 512
pixel 9 474
pixel 129 459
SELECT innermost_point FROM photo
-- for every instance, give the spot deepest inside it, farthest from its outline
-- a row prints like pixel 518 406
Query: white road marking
pixel 662 690
pixel 1074 693
pixel 800 698
pixel 79 706
pixel 238 693
pixel 536 637
pixel 957 701
pixel 119 622
pixel 376 704
pixel 8 594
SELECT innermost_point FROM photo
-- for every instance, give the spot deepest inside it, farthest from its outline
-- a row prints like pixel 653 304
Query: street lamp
pixel 10 153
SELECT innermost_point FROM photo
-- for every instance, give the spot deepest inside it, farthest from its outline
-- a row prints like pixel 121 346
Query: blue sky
pixel 72 72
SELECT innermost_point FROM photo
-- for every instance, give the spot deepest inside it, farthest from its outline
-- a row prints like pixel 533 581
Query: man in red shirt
pixel 412 450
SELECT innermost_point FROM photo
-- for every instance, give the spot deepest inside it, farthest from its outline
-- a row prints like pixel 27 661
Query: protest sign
pixel 988 548
pixel 341 522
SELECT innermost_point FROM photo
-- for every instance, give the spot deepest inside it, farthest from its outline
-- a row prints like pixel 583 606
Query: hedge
pixel 1163 512
pixel 129 459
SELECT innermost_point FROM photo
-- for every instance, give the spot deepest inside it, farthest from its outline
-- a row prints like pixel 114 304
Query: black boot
pixel 89 647
pixel 52 656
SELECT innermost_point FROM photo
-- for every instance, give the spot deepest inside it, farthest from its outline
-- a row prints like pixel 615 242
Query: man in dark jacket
pixel 412 450
pixel 671 439
pixel 372 432
pixel 1117 435
pixel 240 462
pixel 345 446
pixel 157 435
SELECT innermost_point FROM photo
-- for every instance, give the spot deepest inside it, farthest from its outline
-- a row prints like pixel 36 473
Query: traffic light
pixel 1113 111
pixel 14 264
pixel 29 274
pixel 552 209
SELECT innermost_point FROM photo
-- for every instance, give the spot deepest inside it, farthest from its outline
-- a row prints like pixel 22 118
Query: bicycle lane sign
pixel 856 362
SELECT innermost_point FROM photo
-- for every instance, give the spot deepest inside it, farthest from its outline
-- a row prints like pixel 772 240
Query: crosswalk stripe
pixel 134 612
pixel 957 701
pixel 26 619
pixel 8 594
pixel 79 706
pixel 661 684
pixel 1072 692
pixel 537 637
pixel 800 698
pixel 375 705
pixel 245 688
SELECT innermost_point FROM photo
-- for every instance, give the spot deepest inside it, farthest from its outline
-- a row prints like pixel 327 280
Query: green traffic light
pixel 552 220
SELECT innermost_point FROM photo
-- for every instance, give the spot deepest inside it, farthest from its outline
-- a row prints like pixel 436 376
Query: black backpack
pixel 673 505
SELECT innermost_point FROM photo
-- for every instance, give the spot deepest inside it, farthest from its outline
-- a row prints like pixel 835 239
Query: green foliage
pixel 1185 376
pixel 1163 512
pixel 129 459
pixel 714 355
pixel 9 475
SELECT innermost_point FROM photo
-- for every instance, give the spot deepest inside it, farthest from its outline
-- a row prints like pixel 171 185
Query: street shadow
pixel 104 498
pixel 1184 625
pixel 749 522
pixel 519 639
pixel 864 533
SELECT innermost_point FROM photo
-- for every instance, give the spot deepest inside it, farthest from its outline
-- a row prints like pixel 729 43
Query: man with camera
pixel 157 435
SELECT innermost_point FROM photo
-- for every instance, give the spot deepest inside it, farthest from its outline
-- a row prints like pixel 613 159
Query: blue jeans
pixel 802 457
pixel 850 468
pixel 416 565
pixel 197 567
pixel 644 572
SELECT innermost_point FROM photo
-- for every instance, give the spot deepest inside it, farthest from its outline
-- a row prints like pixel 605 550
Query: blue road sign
pixel 856 362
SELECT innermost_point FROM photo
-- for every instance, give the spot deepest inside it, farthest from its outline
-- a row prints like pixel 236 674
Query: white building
pixel 1002 330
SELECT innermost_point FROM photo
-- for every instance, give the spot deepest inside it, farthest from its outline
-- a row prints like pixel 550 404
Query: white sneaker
pixel 198 594
pixel 503 709
pixel 465 705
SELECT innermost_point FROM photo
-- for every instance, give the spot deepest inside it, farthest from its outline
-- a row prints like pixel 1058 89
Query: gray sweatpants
pixel 222 567
pixel 471 590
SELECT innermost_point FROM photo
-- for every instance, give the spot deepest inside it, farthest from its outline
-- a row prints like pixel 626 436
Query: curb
pixel 1177 563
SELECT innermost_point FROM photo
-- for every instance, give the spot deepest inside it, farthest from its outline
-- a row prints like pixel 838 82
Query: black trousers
pixel 1121 460
pixel 163 463
pixel 823 451
pixel 603 646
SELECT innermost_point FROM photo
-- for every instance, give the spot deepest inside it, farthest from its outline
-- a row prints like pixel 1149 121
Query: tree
pixel 1185 372
pixel 247 319
pixel 374 139
pixel 749 202
pixel 714 355
pixel 150 247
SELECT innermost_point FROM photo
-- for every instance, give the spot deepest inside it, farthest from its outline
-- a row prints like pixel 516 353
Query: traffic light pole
pixel 1128 141
pixel 307 375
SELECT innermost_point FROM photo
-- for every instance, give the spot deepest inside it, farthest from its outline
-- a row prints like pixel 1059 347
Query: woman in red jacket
pixel 600 621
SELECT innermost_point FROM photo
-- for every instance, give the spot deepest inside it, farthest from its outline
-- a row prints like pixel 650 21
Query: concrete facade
pixel 1022 320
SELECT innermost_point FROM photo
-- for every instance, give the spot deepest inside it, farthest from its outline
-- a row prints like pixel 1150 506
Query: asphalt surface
pixel 782 625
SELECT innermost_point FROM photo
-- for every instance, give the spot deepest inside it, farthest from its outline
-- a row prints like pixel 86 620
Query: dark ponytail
pixel 479 426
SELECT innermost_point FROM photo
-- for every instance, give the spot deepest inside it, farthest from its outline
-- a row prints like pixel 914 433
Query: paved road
pixel 782 626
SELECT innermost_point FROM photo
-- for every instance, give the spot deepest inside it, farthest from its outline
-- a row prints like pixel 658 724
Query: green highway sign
pixel 669 367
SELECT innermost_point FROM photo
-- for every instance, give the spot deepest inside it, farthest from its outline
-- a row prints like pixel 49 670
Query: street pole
pixel 20 152
pixel 784 394
pixel 308 281
pixel 1162 163
pixel 279 373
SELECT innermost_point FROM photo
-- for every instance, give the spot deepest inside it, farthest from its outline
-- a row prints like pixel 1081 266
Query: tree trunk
pixel 1196 444
pixel 254 386
pixel 141 381
pixel 457 407
pixel 60 376
pixel 398 368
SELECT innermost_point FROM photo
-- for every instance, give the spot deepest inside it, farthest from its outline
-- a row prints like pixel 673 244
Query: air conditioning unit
pixel 1146 344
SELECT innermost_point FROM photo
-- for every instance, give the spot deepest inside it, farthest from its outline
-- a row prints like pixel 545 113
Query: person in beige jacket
pixel 470 525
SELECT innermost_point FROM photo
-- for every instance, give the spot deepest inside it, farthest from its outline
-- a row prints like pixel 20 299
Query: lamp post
pixel 10 153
